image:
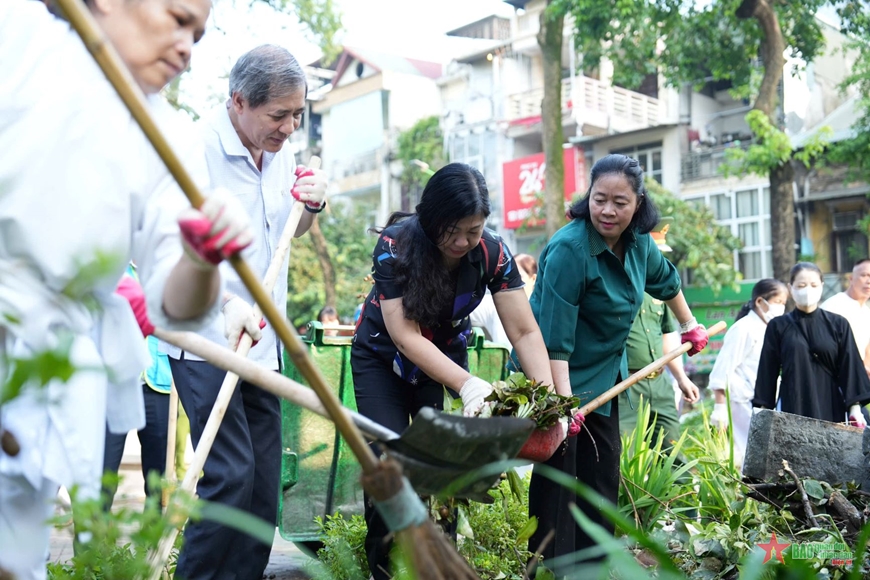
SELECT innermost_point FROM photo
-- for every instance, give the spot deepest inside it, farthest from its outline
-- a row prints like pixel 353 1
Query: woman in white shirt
pixel 83 193
pixel 737 362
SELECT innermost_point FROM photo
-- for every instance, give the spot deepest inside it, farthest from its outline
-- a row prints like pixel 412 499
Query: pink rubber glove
pixel 856 418
pixel 310 187
pixel 130 289
pixel 576 424
pixel 698 337
pixel 219 229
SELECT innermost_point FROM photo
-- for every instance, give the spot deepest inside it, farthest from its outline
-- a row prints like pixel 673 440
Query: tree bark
pixel 550 41
pixel 781 178
pixel 782 232
pixel 322 251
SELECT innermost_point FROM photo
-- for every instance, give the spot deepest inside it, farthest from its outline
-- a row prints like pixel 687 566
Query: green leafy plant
pixel 652 481
pixel 519 396
pixel 493 537
pixel 343 555
pixel 118 544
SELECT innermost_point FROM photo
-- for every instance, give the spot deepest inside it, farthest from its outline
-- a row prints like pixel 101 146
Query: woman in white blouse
pixel 82 193
pixel 737 363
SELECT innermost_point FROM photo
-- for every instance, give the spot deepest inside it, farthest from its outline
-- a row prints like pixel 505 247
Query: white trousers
pixel 24 533
pixel 741 415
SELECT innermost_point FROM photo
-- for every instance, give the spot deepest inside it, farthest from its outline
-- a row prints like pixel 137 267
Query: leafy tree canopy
pixel 350 248
pixel 686 40
pixel 422 142
pixel 322 18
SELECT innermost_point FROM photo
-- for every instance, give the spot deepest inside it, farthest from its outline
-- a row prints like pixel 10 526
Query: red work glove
pixel 130 289
pixel 696 334
pixel 217 230
pixel 310 188
pixel 576 424
pixel 856 418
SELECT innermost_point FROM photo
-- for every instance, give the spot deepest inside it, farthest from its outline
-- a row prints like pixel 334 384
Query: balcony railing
pixel 528 103
pixel 592 103
pixel 613 108
pixel 706 162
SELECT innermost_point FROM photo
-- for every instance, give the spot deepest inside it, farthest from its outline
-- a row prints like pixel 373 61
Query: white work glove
pixel 238 318
pixel 856 418
pixel 310 188
pixel 473 392
pixel 719 416
pixel 217 230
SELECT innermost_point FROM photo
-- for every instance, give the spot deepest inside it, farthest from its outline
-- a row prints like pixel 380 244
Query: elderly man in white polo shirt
pixel 244 147
pixel 852 305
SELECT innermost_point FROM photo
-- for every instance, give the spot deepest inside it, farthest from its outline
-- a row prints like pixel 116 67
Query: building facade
pixel 492 119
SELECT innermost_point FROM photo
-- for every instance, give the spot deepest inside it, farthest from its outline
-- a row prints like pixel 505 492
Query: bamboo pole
pixel 171 432
pixel 652 367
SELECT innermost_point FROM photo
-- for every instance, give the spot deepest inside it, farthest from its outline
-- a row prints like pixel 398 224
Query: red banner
pixel 523 179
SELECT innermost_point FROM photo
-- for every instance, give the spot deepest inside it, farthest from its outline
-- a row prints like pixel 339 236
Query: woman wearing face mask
pixel 431 270
pixel 822 373
pixel 736 364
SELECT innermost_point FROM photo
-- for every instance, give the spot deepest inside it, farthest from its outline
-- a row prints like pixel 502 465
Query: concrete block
pixel 815 449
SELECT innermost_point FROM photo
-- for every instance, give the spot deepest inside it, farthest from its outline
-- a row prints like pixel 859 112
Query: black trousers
pixel 595 464
pixel 243 470
pixel 152 438
pixel 383 396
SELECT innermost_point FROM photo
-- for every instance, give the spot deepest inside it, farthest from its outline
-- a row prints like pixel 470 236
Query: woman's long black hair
pixel 766 288
pixel 455 192
pixel 647 215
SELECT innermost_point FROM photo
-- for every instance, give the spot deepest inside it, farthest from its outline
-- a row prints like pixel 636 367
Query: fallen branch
pixel 780 486
pixel 805 500
pixel 843 507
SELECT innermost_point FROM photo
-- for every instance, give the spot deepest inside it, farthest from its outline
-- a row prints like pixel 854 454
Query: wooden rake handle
pixel 228 386
pixel 118 75
pixel 645 371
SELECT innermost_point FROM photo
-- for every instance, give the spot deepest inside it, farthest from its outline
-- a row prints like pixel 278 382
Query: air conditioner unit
pixel 845 221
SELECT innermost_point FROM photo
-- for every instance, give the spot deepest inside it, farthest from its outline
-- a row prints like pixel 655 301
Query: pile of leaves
pixel 519 396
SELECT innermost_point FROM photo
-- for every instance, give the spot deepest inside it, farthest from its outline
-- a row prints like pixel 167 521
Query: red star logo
pixel 773 549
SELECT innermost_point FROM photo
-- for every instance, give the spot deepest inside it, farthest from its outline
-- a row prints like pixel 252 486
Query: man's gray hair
pixel 265 73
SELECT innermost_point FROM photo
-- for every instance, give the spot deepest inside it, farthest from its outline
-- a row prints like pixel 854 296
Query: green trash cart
pixel 319 474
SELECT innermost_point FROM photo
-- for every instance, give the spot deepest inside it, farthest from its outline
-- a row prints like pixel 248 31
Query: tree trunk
pixel 322 251
pixel 782 219
pixel 550 41
pixel 781 178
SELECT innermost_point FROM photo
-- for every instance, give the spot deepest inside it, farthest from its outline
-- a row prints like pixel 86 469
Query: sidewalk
pixel 285 563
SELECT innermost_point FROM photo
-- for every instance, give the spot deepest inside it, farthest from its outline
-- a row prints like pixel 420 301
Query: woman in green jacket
pixel 590 285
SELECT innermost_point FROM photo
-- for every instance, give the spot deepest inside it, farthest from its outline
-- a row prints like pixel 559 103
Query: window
pixel 747 213
pixel 480 150
pixel 649 156
pixel 849 244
